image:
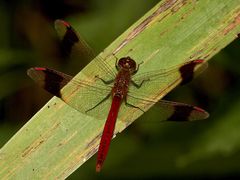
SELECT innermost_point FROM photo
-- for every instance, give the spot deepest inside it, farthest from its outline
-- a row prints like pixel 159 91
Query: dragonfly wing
pixel 159 83
pixel 171 111
pixel 186 70
pixel 175 111
pixel 51 80
pixel 70 41
pixel 73 45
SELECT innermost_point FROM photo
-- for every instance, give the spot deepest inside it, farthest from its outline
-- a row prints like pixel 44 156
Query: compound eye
pixel 120 63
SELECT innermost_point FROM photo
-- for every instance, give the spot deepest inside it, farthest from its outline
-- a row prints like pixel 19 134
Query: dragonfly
pixel 119 88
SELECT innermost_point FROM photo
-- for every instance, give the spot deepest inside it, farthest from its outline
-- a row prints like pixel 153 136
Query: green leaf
pixel 59 139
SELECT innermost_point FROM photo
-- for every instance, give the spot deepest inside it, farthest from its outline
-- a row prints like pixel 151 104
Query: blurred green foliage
pixel 209 148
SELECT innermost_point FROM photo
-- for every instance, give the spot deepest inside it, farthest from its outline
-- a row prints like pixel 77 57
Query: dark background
pixel 203 149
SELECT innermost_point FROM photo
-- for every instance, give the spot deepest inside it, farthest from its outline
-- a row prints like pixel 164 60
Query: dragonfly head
pixel 128 64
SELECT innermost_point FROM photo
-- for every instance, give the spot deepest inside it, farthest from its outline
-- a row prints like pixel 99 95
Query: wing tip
pixel 33 70
pixel 198 61
pixel 185 112
pixel 59 22
pixel 39 68
pixel 197 113
pixel 204 113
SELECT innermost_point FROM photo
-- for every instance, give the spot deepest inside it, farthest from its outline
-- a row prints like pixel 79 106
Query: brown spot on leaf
pixel 93 141
pixel 30 149
pixel 38 142
pixel 235 22
pixel 178 6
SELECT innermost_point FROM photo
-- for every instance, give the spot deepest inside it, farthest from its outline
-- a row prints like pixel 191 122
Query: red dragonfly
pixel 118 88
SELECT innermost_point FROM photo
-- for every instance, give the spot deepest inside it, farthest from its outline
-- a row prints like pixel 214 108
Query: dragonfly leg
pixel 138 67
pixel 104 99
pixel 139 85
pixel 116 61
pixel 132 106
pixel 105 81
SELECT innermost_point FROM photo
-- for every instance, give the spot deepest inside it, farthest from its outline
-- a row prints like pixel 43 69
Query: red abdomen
pixel 108 132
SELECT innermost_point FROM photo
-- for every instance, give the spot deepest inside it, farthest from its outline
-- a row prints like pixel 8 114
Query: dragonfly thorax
pixel 128 64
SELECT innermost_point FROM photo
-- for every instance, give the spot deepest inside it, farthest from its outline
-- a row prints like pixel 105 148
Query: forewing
pixel 165 79
pixel 186 71
pixel 73 46
pixel 71 43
